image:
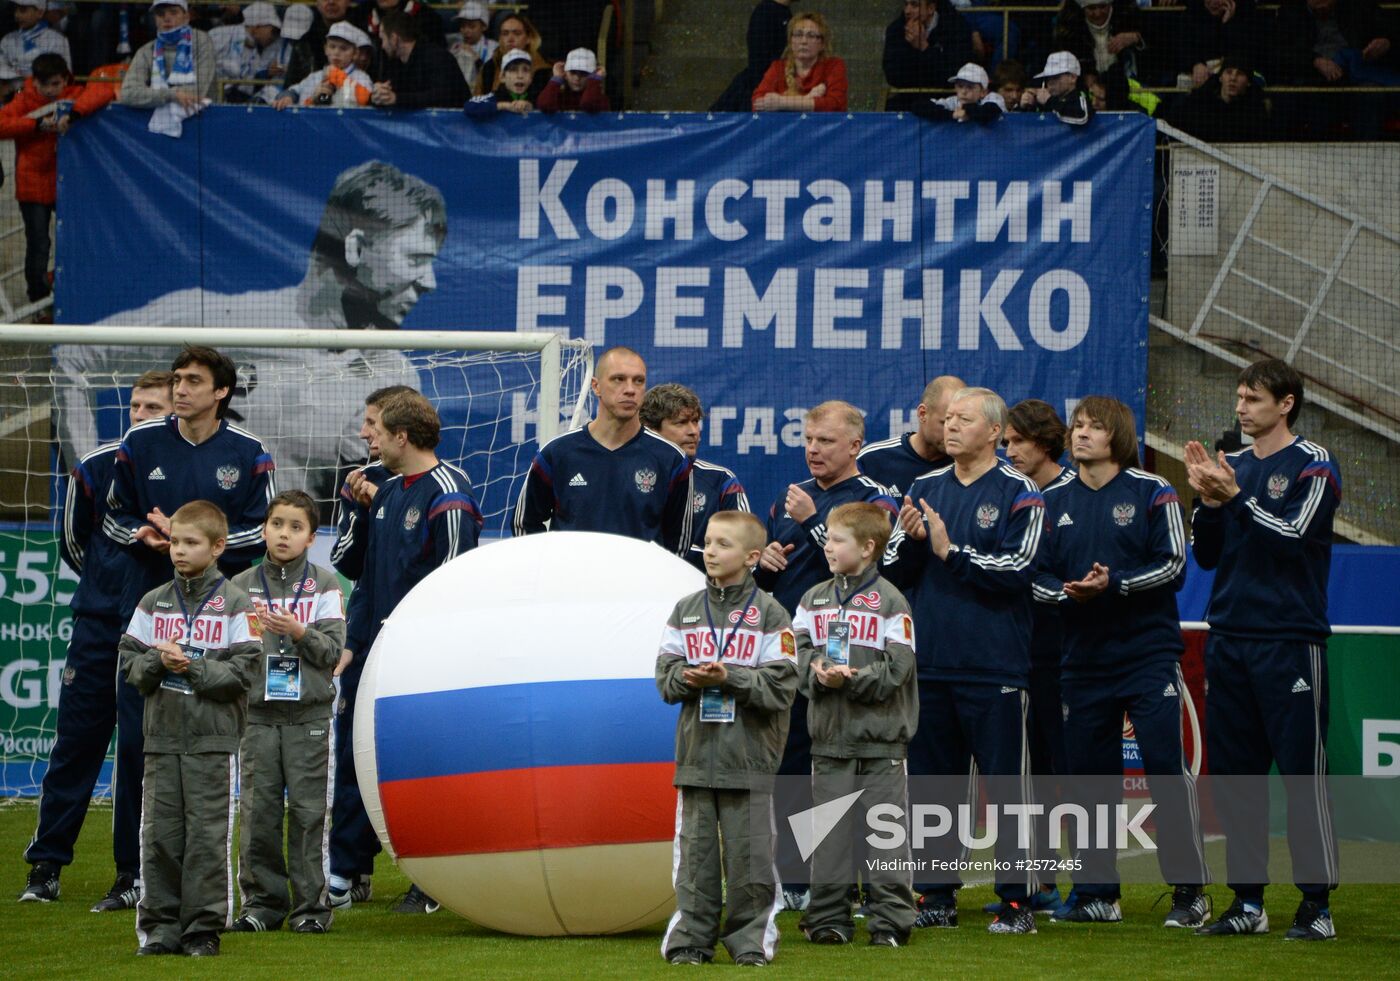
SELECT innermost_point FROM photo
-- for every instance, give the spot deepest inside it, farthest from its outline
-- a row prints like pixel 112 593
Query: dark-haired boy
pixel 191 650
pixel 855 650
pixel 1113 560
pixel 286 749
pixel 1264 524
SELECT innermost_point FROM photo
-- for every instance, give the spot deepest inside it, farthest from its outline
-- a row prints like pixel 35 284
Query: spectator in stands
pixel 35 118
pixel 470 45
pixel 577 85
pixel 31 38
pixel 177 69
pixel 512 95
pixel 369 17
pixel 1227 108
pixel 1009 81
pixel 309 51
pixel 809 77
pixel 516 33
pixel 254 49
pixel 1060 91
pixel 1214 29
pixel 923 47
pixel 416 75
pixel 766 40
pixel 1101 35
pixel 970 99
pixel 1335 41
pixel 341 83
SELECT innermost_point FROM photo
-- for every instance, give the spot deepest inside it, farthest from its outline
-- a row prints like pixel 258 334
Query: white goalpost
pixel 64 391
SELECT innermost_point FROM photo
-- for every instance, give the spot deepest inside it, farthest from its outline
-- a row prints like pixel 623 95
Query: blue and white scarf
pixel 182 71
pixel 30 38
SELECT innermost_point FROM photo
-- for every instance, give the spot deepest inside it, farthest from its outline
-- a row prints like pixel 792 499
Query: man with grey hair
pixel 795 559
pixel 674 412
pixel 967 544
pixel 896 461
pixel 371 262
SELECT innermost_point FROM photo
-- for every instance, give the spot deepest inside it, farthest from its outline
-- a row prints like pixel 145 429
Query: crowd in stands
pixel 1215 58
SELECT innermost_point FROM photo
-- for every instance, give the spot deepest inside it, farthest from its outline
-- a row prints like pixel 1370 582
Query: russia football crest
pixel 987 515
pixel 1278 486
pixel 646 480
pixel 1123 514
pixel 411 517
pixel 227 476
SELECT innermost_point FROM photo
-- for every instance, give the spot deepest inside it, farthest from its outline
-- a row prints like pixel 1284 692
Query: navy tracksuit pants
pixel 1151 696
pixel 353 843
pixel 93 701
pixel 985 724
pixel 1266 704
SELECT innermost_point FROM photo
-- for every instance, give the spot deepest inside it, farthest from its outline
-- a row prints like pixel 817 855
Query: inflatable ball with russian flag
pixel 513 753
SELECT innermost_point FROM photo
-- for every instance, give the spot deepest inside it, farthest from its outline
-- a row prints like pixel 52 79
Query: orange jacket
pixel 36 151
pixel 830 72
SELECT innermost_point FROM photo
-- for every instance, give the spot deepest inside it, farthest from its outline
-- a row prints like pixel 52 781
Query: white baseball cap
pixel 471 10
pixel 261 14
pixel 1060 63
pixel 182 4
pixel 296 21
pixel 514 55
pixel 970 72
pixel 581 60
pixel 349 32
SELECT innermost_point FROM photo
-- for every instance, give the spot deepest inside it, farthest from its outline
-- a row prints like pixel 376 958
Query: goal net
pixel 65 390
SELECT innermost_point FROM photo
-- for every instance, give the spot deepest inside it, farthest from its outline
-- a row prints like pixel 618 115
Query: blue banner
pixel 768 262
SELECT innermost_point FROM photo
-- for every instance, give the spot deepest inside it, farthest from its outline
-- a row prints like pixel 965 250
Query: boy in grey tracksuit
pixel 287 745
pixel 190 651
pixel 855 649
pixel 729 658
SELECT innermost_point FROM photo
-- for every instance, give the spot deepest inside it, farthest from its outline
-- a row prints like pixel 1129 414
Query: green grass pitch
pixel 64 940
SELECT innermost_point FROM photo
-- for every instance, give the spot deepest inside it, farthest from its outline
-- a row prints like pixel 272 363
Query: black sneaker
pixel 415 901
pixel 202 945
pixel 1013 918
pixel 883 938
pixel 686 955
pixel 310 926
pixel 936 915
pixel 752 959
pixel 828 936
pixel 1237 920
pixel 124 894
pixel 1089 909
pixel 1190 908
pixel 155 950
pixel 42 884
pixel 1312 922
pixel 250 924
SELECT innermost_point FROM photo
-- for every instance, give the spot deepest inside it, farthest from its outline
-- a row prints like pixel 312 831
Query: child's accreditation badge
pixel 179 682
pixel 283 678
pixel 716 706
pixel 838 642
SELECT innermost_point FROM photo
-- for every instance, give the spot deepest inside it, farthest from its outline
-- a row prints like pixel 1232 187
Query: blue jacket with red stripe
pixel 157 467
pixel 101 564
pixel 640 490
pixel 806 564
pixel 1271 546
pixel 713 489
pixel 973 609
pixel 417 523
pixel 352 524
pixel 1134 525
